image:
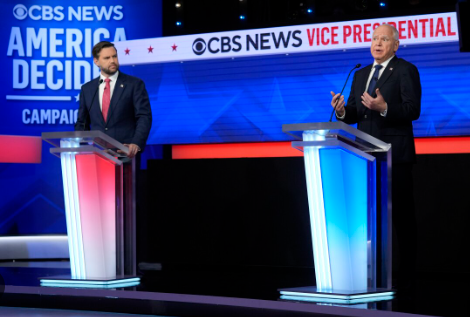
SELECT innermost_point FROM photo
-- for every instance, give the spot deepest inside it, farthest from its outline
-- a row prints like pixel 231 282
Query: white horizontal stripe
pixel 42 98
pixel 306 38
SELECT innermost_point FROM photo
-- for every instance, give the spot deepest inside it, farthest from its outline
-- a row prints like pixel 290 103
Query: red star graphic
pixel 127 50
pixel 151 49
pixel 174 47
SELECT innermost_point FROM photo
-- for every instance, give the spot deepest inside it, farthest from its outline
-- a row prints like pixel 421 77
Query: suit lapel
pixel 387 72
pixel 117 93
pixel 363 82
pixel 96 102
pixel 365 77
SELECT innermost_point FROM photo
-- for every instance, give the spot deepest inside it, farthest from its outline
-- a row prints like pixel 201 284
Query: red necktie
pixel 106 99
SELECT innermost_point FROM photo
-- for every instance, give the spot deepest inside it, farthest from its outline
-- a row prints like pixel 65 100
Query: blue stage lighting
pixel 242 17
pixel 309 10
pixel 178 23
pixel 382 4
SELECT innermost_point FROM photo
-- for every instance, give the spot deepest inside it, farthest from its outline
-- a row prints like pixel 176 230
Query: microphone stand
pixel 336 104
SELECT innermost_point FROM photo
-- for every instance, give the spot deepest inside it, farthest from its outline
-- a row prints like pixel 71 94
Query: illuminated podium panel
pixel 348 174
pixel 100 210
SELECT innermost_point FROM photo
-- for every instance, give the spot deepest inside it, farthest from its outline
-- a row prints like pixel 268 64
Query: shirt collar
pixel 384 64
pixel 112 77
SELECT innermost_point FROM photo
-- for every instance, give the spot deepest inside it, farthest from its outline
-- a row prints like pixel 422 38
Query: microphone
pixel 92 99
pixel 336 104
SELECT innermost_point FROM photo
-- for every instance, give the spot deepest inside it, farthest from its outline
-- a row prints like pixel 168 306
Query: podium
pixel 348 174
pixel 99 201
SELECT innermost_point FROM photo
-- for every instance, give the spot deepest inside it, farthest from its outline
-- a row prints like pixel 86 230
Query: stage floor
pixel 177 290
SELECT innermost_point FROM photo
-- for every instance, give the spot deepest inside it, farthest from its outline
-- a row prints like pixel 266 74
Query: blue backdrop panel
pixel 32 195
pixel 248 99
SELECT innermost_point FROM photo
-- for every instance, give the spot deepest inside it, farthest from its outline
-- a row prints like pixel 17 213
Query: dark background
pixel 253 212
pixel 204 16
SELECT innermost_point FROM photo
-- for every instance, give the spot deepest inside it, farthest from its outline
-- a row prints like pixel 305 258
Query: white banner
pixel 419 29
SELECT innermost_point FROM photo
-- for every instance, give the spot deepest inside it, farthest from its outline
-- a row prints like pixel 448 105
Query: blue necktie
pixel 374 79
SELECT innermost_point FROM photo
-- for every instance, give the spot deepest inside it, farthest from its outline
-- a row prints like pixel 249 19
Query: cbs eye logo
pixel 20 12
pixel 199 46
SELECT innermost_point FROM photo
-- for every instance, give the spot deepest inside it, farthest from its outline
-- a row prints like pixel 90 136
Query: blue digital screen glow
pixel 248 99
pixel 46 57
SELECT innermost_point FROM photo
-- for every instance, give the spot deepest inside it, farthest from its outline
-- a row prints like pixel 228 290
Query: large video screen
pixel 249 98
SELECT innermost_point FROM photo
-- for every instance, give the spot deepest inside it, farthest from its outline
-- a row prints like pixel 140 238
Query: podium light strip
pixel 72 207
pixel 67 198
pixel 338 296
pixel 81 273
pixel 317 213
pixel 336 300
pixel 129 282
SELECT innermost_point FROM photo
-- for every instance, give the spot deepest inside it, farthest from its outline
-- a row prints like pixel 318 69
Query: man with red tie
pixel 115 103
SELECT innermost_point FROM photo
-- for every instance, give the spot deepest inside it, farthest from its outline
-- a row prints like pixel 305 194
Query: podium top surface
pixel 338 130
pixel 97 138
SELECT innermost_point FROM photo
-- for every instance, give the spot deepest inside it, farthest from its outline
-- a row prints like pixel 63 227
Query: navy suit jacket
pixel 400 86
pixel 129 116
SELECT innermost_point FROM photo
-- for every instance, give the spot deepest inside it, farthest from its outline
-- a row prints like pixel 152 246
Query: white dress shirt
pixel 372 71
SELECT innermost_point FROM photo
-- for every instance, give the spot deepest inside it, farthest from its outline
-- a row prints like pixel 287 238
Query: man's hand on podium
pixel 133 149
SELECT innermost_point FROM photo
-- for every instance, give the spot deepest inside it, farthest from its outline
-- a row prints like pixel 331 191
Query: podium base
pixel 104 283
pixel 311 294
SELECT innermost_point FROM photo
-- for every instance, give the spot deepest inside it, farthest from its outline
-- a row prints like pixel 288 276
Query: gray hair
pixel 394 30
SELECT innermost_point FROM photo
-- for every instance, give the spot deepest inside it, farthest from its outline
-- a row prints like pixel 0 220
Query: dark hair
pixel 99 46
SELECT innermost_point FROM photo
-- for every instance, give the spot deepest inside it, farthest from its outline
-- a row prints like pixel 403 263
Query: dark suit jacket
pixel 129 116
pixel 401 88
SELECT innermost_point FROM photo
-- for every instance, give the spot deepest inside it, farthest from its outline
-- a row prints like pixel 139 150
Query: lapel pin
pixel 122 85
pixel 391 68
